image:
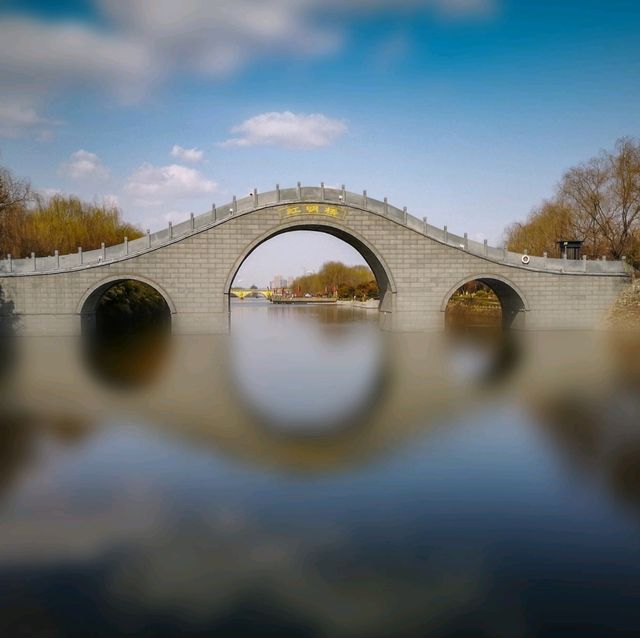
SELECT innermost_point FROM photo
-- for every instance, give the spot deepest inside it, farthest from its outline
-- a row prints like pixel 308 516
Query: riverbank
pixel 625 313
pixel 369 304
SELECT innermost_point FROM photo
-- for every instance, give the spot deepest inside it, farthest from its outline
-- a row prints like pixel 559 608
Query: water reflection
pixel 325 373
pixel 466 502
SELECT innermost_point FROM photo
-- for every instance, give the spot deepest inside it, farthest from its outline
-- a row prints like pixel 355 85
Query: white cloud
pixel 287 129
pixel 49 192
pixel 193 155
pixel 134 45
pixel 111 200
pixel 155 185
pixel 46 57
pixel 18 118
pixel 84 165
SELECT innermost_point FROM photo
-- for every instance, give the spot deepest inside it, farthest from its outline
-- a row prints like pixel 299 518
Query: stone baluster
pixel 56 255
pixel 80 260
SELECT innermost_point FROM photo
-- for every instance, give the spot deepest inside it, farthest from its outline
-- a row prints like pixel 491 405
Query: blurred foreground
pixel 310 476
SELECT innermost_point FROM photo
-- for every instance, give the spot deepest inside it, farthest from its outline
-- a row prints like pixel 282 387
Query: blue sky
pixel 467 111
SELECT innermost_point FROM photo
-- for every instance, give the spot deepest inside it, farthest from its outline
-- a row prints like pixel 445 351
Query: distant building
pixel 278 282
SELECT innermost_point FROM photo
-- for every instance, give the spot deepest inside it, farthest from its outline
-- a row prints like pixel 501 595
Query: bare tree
pixel 598 202
pixel 604 195
pixel 13 191
pixel 15 195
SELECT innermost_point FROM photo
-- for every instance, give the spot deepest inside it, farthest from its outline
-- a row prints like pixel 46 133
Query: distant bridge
pixel 417 267
pixel 242 293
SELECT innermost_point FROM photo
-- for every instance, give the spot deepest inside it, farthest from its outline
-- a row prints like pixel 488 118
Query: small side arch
pixel 512 299
pixel 89 302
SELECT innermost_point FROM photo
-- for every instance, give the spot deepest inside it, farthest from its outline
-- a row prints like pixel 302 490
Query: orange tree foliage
pixel 597 201
pixel 336 277
pixel 30 223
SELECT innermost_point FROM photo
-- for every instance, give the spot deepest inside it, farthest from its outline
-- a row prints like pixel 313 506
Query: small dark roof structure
pixel 570 248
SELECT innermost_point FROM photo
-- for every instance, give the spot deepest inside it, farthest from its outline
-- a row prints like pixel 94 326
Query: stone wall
pixel 416 272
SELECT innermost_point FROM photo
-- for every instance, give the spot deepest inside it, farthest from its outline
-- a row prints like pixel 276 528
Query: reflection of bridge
pixel 242 293
pixel 417 266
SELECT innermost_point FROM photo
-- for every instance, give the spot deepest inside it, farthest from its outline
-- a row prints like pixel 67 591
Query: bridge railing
pixel 339 196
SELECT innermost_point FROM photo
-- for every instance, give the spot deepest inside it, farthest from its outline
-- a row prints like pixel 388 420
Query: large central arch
pixel 375 261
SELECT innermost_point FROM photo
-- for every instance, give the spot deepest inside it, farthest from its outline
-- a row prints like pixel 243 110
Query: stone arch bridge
pixel 418 267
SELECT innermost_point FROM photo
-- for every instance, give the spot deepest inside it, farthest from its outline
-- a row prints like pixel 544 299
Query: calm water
pixel 309 476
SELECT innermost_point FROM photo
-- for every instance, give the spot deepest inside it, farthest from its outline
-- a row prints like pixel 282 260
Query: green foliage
pixel 336 278
pixel 131 306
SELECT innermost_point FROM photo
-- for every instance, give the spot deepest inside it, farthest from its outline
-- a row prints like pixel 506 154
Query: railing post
pixel 386 207
pixel 545 256
pixel 466 241
pixel 80 255
pixel 126 245
pixel 234 205
pixel 33 259
pixel 148 238
pixel 584 263
pixel 170 230
pixel 104 251
pixel 344 194
pixel 214 212
pixel 10 262
pixel 446 235
pixel 299 190
pixel 426 228
pixel 405 216
pixel 365 199
pixel 56 254
pixel 277 192
pixel 486 248
pixel 193 221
